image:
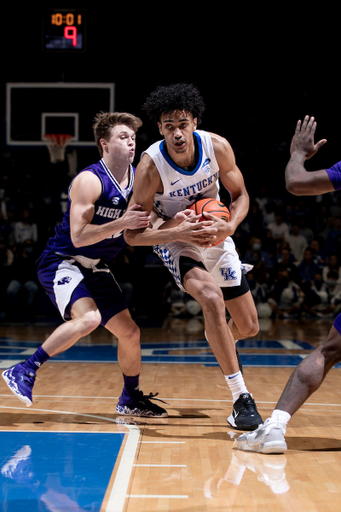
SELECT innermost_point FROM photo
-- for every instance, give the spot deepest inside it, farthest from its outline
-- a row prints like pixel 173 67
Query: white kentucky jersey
pixel 181 187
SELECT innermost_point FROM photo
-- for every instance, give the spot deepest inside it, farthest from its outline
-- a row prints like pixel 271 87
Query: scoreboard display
pixel 64 30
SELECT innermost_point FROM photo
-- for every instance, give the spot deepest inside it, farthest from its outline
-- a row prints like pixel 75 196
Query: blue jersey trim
pixel 178 169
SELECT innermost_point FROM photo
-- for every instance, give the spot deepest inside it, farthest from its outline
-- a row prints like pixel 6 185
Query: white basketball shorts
pixel 221 261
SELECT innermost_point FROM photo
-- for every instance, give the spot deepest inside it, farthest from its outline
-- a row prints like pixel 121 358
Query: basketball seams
pixel 205 204
pixel 199 207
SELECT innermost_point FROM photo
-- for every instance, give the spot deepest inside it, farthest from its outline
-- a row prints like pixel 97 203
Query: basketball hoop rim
pixel 57 139
pixel 56 144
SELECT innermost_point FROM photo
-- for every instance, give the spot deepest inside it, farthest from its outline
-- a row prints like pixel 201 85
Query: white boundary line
pixel 163 442
pixel 163 398
pixel 118 492
pixel 160 465
pixel 158 496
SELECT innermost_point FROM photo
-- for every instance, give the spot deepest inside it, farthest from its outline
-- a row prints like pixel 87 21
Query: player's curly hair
pixel 166 99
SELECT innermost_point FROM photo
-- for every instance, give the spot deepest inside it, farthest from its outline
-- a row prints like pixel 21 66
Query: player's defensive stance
pixel 309 374
pixel 73 267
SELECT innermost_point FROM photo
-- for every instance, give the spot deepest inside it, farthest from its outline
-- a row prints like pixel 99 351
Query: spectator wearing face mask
pixel 255 244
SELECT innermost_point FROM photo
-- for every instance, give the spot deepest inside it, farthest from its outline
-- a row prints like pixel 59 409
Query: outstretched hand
pixel 303 139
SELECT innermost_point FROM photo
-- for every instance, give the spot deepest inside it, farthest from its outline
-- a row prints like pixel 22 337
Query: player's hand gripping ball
pixel 213 207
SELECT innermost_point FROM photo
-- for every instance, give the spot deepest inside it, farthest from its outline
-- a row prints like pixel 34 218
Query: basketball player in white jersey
pixel 173 174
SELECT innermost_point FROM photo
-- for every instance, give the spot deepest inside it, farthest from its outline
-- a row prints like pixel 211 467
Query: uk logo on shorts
pixel 228 274
pixel 65 280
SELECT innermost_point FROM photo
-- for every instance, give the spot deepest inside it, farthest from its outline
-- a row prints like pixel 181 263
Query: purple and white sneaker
pixel 20 381
pixel 138 404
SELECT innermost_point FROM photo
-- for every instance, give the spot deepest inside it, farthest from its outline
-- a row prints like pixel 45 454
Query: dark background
pixel 259 68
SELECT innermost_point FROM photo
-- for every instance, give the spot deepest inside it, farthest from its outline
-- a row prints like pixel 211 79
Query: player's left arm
pixel 233 181
pixel 85 190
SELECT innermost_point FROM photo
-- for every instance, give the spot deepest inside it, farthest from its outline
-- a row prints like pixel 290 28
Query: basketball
pixel 213 207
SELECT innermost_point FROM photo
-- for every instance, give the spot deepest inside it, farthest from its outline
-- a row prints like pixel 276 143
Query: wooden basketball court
pixel 187 462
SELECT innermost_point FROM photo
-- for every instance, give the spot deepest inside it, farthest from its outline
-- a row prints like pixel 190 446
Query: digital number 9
pixel 71 33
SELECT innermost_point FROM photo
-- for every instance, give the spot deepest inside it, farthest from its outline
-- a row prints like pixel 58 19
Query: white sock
pixel 236 384
pixel 281 416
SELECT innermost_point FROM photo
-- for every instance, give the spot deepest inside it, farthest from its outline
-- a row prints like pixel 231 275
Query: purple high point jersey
pixel 111 205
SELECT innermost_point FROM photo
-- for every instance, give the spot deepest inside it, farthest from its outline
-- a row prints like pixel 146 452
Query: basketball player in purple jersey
pixel 173 174
pixel 310 373
pixel 73 267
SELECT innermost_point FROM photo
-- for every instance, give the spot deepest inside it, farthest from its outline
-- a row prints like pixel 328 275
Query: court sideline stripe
pixel 158 496
pixel 170 399
pixel 160 465
pixel 163 442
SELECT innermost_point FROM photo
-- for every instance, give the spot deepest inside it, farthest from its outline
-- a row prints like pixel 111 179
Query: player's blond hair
pixel 105 121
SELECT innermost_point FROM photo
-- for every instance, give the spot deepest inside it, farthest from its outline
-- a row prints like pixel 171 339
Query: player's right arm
pixel 85 190
pixel 298 180
pixel 183 227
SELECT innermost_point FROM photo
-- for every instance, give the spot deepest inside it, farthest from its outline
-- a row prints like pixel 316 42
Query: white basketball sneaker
pixel 267 438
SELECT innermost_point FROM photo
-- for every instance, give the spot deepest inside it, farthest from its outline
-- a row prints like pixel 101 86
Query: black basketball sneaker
pixel 138 404
pixel 245 415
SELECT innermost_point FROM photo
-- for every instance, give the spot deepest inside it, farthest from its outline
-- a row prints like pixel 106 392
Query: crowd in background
pixel 293 243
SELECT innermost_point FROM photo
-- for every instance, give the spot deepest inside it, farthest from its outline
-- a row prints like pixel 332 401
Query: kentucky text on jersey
pixel 196 188
pixel 182 187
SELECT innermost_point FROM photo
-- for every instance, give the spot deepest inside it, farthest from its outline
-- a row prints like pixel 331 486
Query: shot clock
pixel 64 30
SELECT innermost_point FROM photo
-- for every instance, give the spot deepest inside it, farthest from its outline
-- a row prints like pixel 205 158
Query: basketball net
pixel 56 144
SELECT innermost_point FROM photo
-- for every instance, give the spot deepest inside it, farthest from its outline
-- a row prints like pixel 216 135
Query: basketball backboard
pixel 34 109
